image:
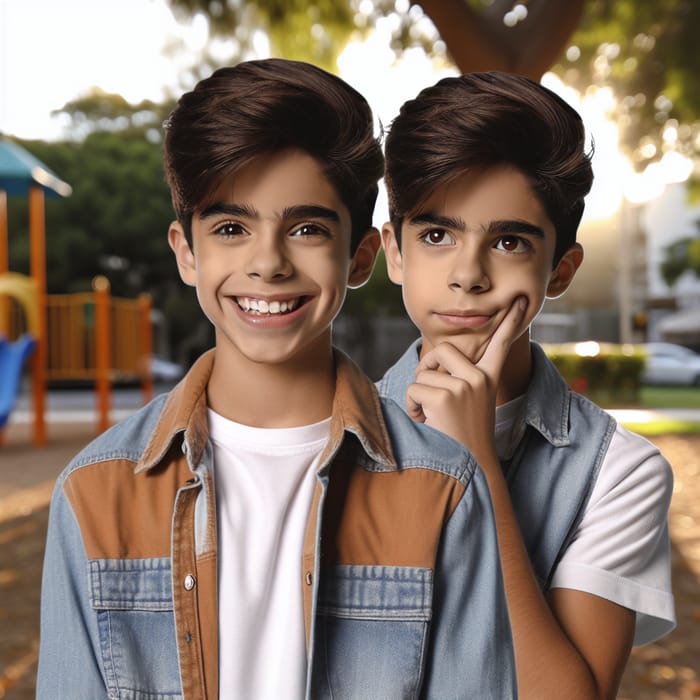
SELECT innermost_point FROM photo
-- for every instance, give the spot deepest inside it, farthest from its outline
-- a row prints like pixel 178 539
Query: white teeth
pixel 261 306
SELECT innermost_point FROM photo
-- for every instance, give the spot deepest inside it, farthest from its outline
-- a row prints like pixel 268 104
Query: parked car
pixel 668 363
pixel 163 370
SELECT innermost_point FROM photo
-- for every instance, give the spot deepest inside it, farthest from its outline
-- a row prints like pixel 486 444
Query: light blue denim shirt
pixel 404 594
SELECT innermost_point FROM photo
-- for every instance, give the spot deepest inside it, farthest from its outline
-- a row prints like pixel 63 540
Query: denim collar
pixel 356 409
pixel 548 396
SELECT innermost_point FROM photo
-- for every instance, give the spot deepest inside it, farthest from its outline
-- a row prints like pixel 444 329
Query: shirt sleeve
pixel 69 647
pixel 621 550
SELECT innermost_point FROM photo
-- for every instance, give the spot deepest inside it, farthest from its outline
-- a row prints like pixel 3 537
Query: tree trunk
pixel 480 41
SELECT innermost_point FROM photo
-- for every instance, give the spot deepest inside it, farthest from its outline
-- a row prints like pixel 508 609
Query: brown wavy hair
pixel 266 106
pixel 487 119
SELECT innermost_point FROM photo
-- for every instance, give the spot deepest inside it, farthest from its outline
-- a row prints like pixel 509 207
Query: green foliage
pixel 646 51
pixel 102 111
pixel 310 31
pixel 680 256
pixel 115 222
pixel 378 297
pixel 612 377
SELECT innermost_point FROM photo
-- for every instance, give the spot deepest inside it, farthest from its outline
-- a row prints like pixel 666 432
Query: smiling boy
pixel 272 528
pixel 486 176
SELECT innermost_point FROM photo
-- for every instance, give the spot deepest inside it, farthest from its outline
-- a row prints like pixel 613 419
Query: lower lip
pixel 464 321
pixel 271 321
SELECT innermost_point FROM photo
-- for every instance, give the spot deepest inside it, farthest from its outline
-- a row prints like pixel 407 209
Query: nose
pixel 268 260
pixel 469 274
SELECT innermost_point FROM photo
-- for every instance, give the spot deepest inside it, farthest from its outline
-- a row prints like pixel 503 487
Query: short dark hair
pixel 487 119
pixel 262 107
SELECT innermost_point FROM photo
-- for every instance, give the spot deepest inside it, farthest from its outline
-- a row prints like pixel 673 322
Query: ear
pixel 392 253
pixel 564 272
pixel 183 254
pixel 364 258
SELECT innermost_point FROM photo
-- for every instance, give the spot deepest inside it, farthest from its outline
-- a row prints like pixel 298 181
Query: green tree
pixel 646 51
pixel 102 111
pixel 115 221
pixel 680 256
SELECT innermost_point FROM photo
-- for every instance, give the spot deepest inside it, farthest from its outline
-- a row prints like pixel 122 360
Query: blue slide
pixel 12 357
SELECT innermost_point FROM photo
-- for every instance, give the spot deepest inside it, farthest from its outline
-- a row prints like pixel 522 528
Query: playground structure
pixel 84 337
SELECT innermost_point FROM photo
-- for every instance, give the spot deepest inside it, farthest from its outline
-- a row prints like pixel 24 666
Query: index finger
pixel 496 351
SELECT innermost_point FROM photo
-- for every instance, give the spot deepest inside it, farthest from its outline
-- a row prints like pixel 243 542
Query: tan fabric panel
pixel 386 518
pixel 308 560
pixel 207 602
pixel 123 515
pixel 186 595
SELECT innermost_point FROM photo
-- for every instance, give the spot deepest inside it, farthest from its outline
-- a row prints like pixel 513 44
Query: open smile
pixel 267 307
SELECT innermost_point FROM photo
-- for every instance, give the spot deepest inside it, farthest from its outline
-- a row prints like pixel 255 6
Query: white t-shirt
pixel 264 481
pixel 621 549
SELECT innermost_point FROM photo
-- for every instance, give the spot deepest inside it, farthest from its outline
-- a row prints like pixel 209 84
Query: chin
pixel 471 346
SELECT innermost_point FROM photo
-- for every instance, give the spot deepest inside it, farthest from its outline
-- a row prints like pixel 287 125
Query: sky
pixel 51 51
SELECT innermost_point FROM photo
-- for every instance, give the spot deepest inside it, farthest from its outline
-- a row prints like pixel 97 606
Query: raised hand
pixel 457 396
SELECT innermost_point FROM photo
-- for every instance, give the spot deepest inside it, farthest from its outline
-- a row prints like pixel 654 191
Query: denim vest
pixel 553 469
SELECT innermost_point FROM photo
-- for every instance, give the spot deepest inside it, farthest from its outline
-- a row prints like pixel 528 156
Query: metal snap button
pixel 309 578
pixel 189 582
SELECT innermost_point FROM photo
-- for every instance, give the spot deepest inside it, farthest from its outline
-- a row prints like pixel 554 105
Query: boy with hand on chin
pixel 272 528
pixel 486 176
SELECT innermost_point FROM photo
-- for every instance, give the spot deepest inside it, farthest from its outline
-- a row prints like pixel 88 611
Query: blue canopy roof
pixel 19 169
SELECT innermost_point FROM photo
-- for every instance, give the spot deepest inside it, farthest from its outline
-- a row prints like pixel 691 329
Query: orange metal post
pixel 37 266
pixel 103 343
pixel 146 346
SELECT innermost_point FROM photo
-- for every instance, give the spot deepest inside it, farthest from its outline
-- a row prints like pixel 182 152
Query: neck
pixel 516 372
pixel 294 393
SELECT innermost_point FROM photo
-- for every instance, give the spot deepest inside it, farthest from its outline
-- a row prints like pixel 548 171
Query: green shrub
pixel 609 374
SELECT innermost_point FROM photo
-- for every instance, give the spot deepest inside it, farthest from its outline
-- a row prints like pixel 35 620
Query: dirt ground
pixel 666 670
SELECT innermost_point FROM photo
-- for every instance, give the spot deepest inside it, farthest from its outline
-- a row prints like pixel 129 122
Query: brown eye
pixel 437 237
pixel 513 244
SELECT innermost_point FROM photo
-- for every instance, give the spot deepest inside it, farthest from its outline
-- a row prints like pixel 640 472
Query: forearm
pixel 547 661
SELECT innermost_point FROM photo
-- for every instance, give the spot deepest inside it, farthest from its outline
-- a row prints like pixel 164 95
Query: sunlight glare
pixel 48 59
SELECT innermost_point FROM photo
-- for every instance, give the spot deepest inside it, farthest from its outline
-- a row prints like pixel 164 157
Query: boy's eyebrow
pixel 504 226
pixel 300 211
pixel 217 208
pixel 430 219
pixel 311 211
pixel 500 226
